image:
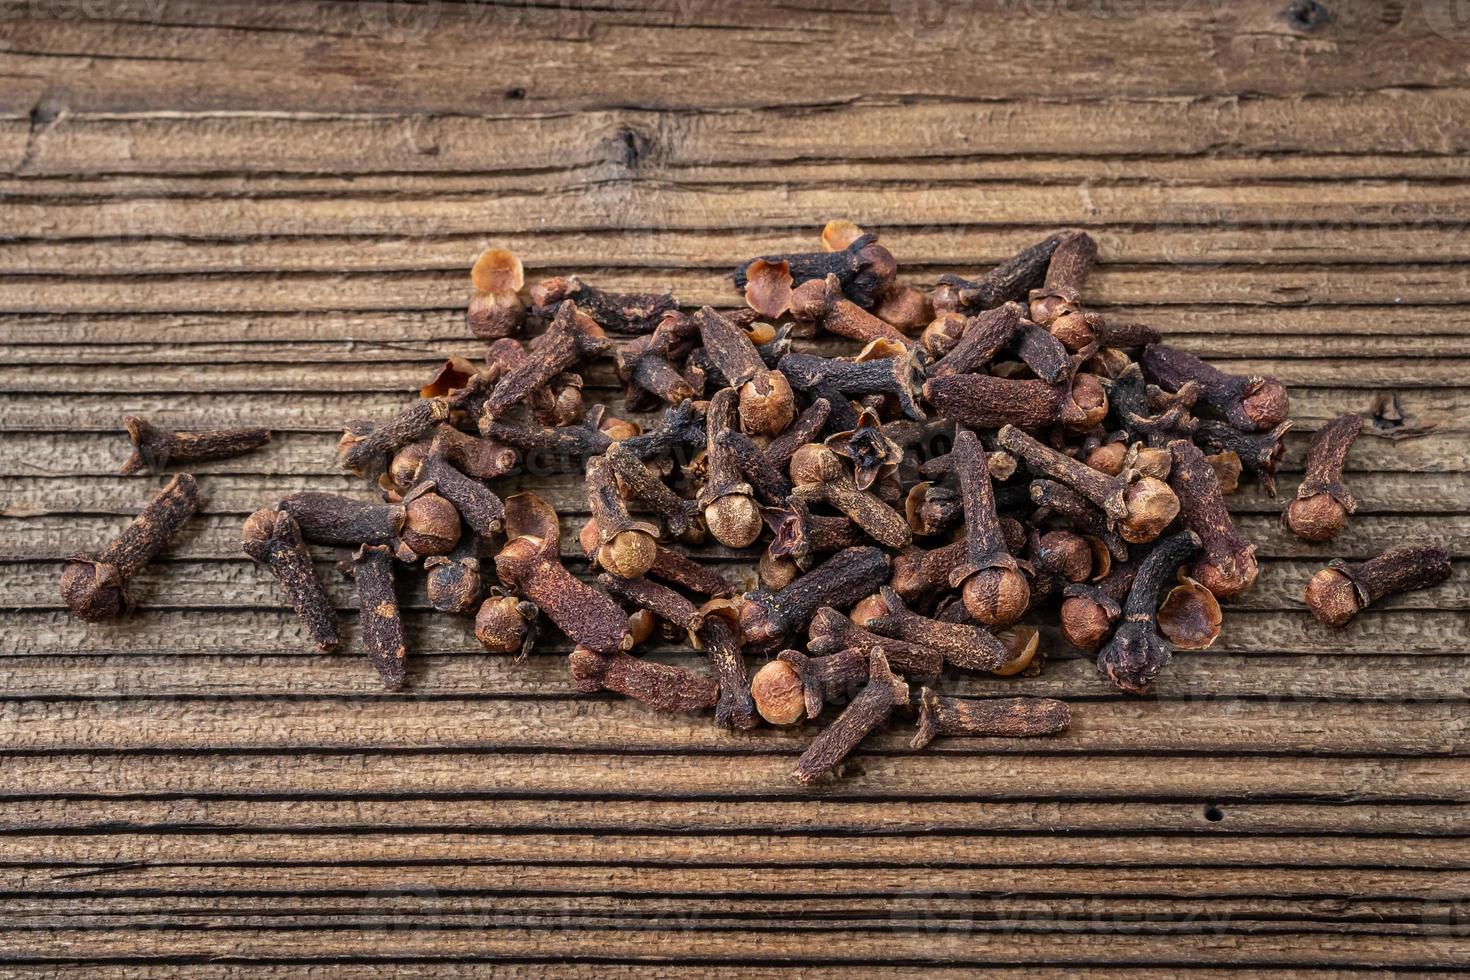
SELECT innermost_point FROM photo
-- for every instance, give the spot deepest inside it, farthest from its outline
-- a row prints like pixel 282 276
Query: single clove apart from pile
pixel 853 499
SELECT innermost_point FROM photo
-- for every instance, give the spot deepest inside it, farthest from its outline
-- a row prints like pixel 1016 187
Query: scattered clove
pixel 454 584
pixel 1136 653
pixel 1343 589
pixel 378 618
pixel 1250 403
pixel 1228 565
pixel 883 692
pixel 794 685
pixel 495 310
pixel 623 313
pixel 154 449
pixel 767 617
pixel 987 718
pixel 95 587
pixel 272 538
pixel 1322 504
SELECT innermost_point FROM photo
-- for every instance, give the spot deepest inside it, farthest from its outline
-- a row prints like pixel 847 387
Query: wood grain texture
pixel 266 211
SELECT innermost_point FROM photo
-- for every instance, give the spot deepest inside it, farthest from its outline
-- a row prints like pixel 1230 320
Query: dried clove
pixel 884 372
pixel 1251 403
pixel 769 482
pixel 272 538
pixel 495 310
pixel 824 303
pixel 987 717
pixel 679 515
pixel 982 401
pixel 481 509
pixel 794 685
pixel 431 525
pixel 453 581
pixel 1089 611
pixel 1228 565
pixel 883 692
pixel 1259 452
pixel 571 338
pixel 962 645
pixel 625 547
pixel 328 518
pixel 831 632
pixel 378 618
pixel 671 566
pixel 767 405
pixel 530 566
pixel 984 336
pixel 662 687
pixel 1136 653
pixel 730 509
pixel 872 455
pixel 767 617
pixel 506 624
pixel 1322 504
pixel 1057 304
pixel 95 587
pixel 1011 280
pixel 864 269
pixel 482 459
pixel 366 448
pixel 820 476
pixel 153 448
pixel 624 313
pixel 1051 497
pixel 805 429
pixel 801 536
pixel 1190 617
pixel 1149 414
pixel 1343 589
pixel 994 590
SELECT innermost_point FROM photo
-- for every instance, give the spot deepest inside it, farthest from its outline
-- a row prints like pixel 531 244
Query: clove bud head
pixel 1332 597
pixel 1152 506
pixel 1266 405
pixel 778 693
pixel 1319 517
pixel 504 624
pixel 94 590
pixel 767 404
pixel 734 520
pixel 997 596
pixel 430 525
pixel 1135 656
pixel 1229 574
pixel 629 554
pixel 1067 553
pixel 1086 623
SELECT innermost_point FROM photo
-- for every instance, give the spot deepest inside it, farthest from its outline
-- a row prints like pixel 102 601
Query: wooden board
pixel 265 211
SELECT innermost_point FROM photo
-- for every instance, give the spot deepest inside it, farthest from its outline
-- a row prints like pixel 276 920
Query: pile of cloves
pixel 994 467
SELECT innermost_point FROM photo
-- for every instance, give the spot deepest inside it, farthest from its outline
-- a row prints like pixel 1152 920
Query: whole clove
pixel 625 547
pixel 767 617
pixel 623 313
pixel 1228 565
pixel 767 404
pixel 769 483
pixel 481 509
pixel 1259 452
pixel 1343 589
pixel 571 338
pixel 730 509
pixel 820 476
pixel 378 618
pixel 431 525
pixel 662 687
pixel 983 337
pixel 495 310
pixel 1251 403
pixel 883 693
pixel 794 685
pixel 453 580
pixel 987 717
pixel 506 624
pixel 1322 504
pixel 154 448
pixel 95 587
pixel 1136 653
pixel 272 538
pixel 962 645
pixel 1013 279
pixel 891 375
pixel 805 429
pixel 366 448
pixel 1090 610
pixel 831 632
pixel 994 589
pixel 801 536
pixel 864 269
pixel 680 516
pixel 671 566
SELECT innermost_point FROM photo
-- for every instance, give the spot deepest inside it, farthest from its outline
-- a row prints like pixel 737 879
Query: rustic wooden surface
pixel 265 211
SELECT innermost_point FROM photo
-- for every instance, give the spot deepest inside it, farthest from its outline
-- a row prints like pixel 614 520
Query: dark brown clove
pixel 378 617
pixel 366 448
pixel 623 313
pixel 730 509
pixel 807 427
pixel 645 367
pixel 481 509
pixel 801 536
pixel 679 432
pixel 495 310
pixel 767 617
pixel 831 632
pixel 1090 611
pixel 994 590
pixel 482 459
pixel 625 547
pixel 987 717
pixel 867 448
pixel 820 476
pixel 864 269
pixel 883 692
pixel 984 336
pixel 328 518
pixel 885 371
pixel 1044 354
pixel 506 624
pixel 1228 565
pixel 1251 403
pixel 1051 497
pixel 1343 589
pixel 680 516
pixel 153 448
pixel 982 401
pixel 272 538
pixel 1259 452
pixel 794 685
pixel 662 687
pixel 769 482
pixel 560 447
pixel 571 338
pixel 1056 305
pixel 1136 653
pixel 1322 504
pixel 431 525
pixel 530 566
pixel 95 587
pixel 962 645
pixel 823 303
pixel 453 581
pixel 1148 413
pixel 766 403
pixel 1011 280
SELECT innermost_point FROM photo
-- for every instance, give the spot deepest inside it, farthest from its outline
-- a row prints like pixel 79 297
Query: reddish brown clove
pixel 794 686
pixel 730 509
pixel 983 337
pixel 679 515
pixel 1228 565
pixel 1011 280
pixel 571 338
pixel 1259 452
pixel 662 687
pixel 95 587
pixel 805 429
pixel 994 589
pixel 272 538
pixel 1090 611
pixel 495 309
pixel 1251 403
pixel 430 525
pixel 506 624
pixel 378 617
pixel 987 717
pixel 831 632
pixel 880 369
pixel 625 547
pixel 366 448
pixel 453 580
pixel 328 518
pixel 482 459
pixel 766 403
pixel 1057 304
pixel 824 303
pixel 1343 589
pixel 883 693
pixel 1322 503
pixel 153 448
pixel 962 645
pixel 1190 617
pixel 864 269
pixel 530 566
pixel 481 509
pixel 623 313
pixel 820 476
pixel 982 401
